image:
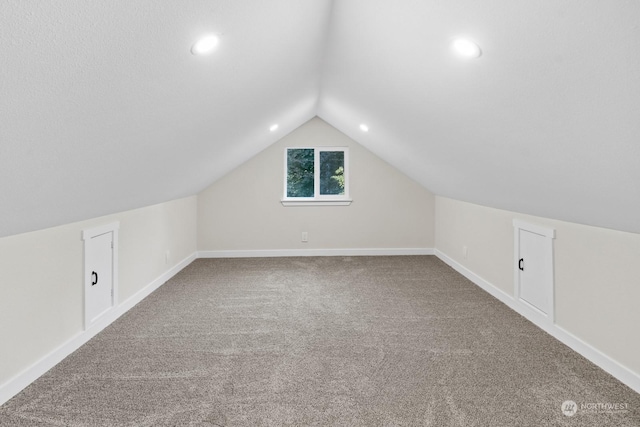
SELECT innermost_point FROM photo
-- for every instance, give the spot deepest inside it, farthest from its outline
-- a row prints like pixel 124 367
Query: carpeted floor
pixel 347 341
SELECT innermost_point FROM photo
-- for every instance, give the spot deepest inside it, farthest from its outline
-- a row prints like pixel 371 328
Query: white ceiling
pixel 103 108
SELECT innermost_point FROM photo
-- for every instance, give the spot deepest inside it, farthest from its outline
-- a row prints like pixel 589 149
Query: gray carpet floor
pixel 345 341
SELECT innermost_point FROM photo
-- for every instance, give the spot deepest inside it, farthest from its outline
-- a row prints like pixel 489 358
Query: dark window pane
pixel 332 172
pixel 300 172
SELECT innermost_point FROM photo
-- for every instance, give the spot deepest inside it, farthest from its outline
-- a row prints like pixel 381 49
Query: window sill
pixel 341 202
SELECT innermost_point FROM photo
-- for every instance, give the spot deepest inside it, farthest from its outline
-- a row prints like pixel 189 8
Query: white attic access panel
pixel 100 272
pixel 533 279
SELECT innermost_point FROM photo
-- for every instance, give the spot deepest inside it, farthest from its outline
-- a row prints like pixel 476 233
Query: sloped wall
pixel 41 276
pixel 242 211
pixel 597 285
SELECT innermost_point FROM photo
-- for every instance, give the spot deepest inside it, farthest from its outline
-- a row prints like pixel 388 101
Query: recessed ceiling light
pixel 274 127
pixel 364 128
pixel 205 45
pixel 466 48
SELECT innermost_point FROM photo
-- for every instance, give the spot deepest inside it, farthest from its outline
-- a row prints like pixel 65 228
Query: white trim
pixel 16 384
pixel 318 199
pixel 310 202
pixel 614 368
pixel 534 228
pixel 102 229
pixel 271 253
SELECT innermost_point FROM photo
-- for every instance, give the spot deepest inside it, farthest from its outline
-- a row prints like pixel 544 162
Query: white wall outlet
pixel 305 236
pixel 465 251
pixel 167 255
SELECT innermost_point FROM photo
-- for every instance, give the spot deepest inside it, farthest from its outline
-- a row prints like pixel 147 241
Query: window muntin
pixel 316 174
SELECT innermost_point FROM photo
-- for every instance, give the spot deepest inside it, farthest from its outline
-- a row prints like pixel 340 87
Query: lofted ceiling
pixel 103 108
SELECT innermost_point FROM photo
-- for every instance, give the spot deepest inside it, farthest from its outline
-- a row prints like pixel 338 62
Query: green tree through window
pixel 316 173
pixel 332 172
pixel 300 172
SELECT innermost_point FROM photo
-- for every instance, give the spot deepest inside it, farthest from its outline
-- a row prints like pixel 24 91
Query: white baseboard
pixel 270 253
pixel 16 384
pixel 617 370
pixel 26 377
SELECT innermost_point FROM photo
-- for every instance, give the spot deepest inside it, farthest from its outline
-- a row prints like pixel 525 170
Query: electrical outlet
pixel 167 255
pixel 305 236
pixel 465 251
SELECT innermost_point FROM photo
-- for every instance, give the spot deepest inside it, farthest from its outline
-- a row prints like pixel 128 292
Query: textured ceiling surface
pixel 103 108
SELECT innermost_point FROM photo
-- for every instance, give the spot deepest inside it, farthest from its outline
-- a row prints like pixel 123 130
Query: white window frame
pixel 318 199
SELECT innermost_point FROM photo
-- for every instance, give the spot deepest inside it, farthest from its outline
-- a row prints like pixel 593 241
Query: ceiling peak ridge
pixel 324 52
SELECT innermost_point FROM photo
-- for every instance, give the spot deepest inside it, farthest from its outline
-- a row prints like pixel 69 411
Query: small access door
pixel 534 267
pixel 100 248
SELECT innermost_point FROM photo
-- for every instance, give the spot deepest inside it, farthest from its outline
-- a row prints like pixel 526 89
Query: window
pixel 316 176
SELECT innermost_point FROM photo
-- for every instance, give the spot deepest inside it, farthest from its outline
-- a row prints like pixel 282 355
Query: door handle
pixel 521 264
pixel 94 278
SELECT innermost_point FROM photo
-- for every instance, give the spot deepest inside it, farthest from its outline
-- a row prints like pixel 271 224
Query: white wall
pixel 41 276
pixel 242 211
pixel 597 284
pixel 41 291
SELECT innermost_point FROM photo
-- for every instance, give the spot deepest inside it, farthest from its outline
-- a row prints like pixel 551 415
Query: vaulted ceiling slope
pixel 103 107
